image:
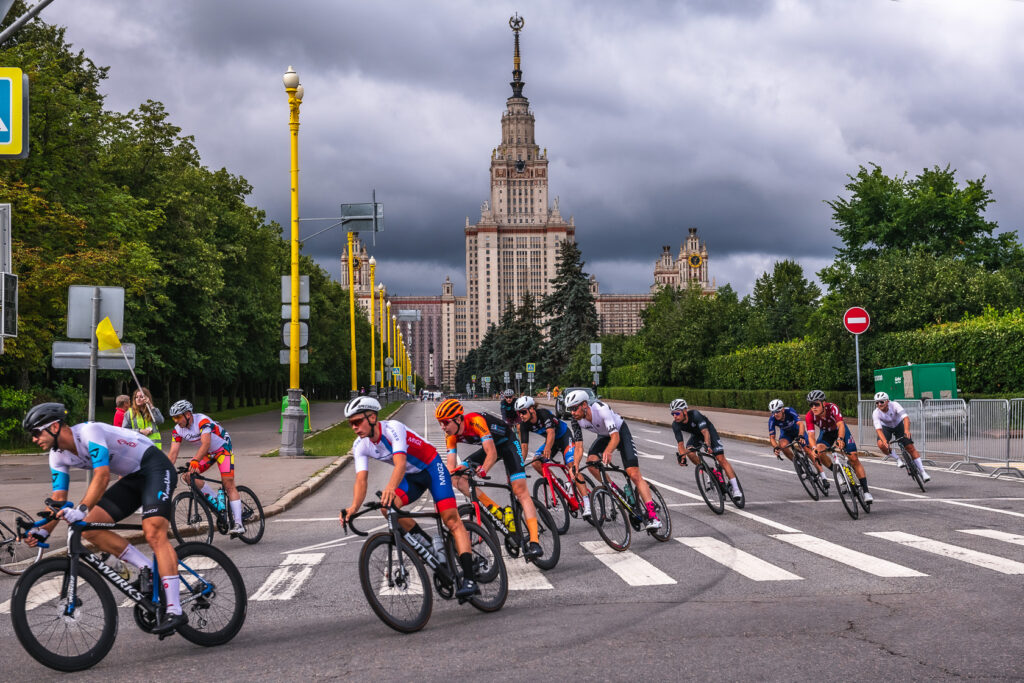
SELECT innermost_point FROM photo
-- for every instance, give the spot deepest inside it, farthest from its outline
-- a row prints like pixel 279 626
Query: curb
pixel 311 485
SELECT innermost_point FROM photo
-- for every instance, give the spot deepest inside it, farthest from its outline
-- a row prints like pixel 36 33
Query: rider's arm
pixel 453 446
pixel 358 492
pixel 707 436
pixel 397 474
pixel 173 455
pixel 204 446
pixel 808 429
pixel 906 425
pixel 490 454
pixel 100 457
pixel 549 441
pixel 613 443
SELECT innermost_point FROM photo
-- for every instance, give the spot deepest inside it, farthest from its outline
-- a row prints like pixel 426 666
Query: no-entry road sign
pixel 856 320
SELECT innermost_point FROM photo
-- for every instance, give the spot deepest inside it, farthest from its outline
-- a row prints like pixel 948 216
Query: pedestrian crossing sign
pixel 13 113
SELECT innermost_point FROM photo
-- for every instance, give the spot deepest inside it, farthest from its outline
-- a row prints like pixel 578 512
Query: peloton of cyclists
pixel 702 432
pixel 891 421
pixel 792 434
pixel 824 426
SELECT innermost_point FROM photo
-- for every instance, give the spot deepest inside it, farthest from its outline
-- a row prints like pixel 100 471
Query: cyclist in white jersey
pixel 891 420
pixel 214 447
pixel 146 479
pixel 612 435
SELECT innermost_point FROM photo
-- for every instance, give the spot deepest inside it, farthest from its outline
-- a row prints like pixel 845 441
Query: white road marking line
pixel 651 457
pixel 630 567
pixel 285 581
pixel 523 576
pixel 644 429
pixel 685 505
pixel 41 593
pixel 993 562
pixel 857 560
pixel 666 445
pixel 983 507
pixel 331 544
pixel 738 560
pixel 1016 539
pixel 741 513
pixel 307 519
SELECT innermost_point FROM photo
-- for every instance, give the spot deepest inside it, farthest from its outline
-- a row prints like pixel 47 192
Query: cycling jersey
pixel 395 437
pixel 508 412
pixel 479 427
pixel 98 445
pixel 695 423
pixel 788 426
pixel 219 437
pixel 891 418
pixel 545 421
pixel 603 421
pixel 828 420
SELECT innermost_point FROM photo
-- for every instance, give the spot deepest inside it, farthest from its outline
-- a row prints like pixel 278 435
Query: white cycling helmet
pixel 508 393
pixel 881 396
pixel 815 396
pixel 575 398
pixel 361 404
pixel 180 408
pixel 776 405
pixel 678 404
pixel 524 402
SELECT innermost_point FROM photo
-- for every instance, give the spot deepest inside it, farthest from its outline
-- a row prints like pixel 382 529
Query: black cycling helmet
pixel 44 414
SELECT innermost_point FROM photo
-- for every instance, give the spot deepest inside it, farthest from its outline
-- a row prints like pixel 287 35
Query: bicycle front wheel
pixel 55 633
pixel 547 536
pixel 806 474
pixel 611 520
pixel 191 519
pixel 212 594
pixel 846 493
pixel 15 555
pixel 742 500
pixel 551 498
pixel 709 489
pixel 661 508
pixel 252 516
pixel 396 587
pixel 489 568
pixel 911 466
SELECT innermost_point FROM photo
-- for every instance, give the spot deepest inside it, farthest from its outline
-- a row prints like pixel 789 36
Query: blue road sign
pixel 13 113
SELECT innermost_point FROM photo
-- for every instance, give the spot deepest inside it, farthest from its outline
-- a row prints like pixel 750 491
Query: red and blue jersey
pixel 395 437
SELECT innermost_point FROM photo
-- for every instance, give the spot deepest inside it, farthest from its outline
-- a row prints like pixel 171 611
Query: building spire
pixel 516 22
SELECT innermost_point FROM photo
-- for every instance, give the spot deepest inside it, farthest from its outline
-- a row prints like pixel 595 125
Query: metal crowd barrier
pixel 866 435
pixel 1014 439
pixel 988 431
pixel 944 432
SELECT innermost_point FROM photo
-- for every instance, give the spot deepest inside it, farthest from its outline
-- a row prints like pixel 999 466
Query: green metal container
pixel 927 380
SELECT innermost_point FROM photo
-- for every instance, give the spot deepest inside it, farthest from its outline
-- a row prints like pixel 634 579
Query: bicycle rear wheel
pixel 661 508
pixel 610 518
pixel 709 489
pixel 54 638
pixel 547 536
pixel 554 502
pixel 15 555
pixel 806 474
pixel 212 594
pixel 398 590
pixel 191 519
pixel 252 516
pixel 846 494
pixel 740 502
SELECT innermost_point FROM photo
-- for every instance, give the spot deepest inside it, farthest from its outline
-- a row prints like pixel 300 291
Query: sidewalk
pixel 25 479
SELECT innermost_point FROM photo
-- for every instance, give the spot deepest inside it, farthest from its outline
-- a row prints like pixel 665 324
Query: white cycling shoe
pixel 868 498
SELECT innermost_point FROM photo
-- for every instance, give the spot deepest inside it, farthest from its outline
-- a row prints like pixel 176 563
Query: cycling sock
pixel 417 529
pixel 651 514
pixel 132 556
pixel 171 588
pixel 531 525
pixel 735 486
pixel 207 491
pixel 864 484
pixel 586 503
pixel 920 465
pixel 236 510
pixel 486 500
pixel 466 561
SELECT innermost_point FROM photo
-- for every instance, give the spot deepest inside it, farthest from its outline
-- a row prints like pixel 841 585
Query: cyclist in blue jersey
pixel 557 439
pixel 792 432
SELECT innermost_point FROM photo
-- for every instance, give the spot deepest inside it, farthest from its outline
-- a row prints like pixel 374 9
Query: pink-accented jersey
pixel 828 421
pixel 395 437
pixel 219 438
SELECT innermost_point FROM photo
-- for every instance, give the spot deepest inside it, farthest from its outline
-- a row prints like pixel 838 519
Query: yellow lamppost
pixel 291 433
pixel 391 343
pixel 380 291
pixel 352 314
pixel 394 341
pixel 373 343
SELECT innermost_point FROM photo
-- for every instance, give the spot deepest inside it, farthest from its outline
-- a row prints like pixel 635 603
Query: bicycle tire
pixel 846 494
pixel 494 581
pixel 252 516
pixel 607 514
pixel 218 591
pixel 553 500
pixel 866 506
pixel 805 472
pixel 706 484
pixel 191 518
pixel 40 585
pixel 468 514
pixel 376 566
pixel 15 555
pixel 547 536
pixel 661 508
pixel 911 466
pixel 742 501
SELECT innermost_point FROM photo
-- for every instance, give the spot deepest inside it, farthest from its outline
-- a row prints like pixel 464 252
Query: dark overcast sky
pixel 739 118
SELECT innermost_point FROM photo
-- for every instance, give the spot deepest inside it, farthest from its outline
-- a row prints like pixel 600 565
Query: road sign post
pixel 595 361
pixel 856 320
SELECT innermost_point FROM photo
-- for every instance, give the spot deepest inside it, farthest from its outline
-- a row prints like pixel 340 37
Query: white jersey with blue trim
pixel 395 437
pixel 98 445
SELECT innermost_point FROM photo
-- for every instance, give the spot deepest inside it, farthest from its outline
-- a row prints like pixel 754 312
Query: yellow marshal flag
pixel 106 336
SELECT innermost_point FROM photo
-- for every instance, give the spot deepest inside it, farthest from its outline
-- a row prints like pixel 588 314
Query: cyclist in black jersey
pixel 508 407
pixel 557 439
pixel 701 431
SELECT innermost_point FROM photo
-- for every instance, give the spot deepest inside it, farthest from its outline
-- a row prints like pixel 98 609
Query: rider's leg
pixel 787 448
pixel 820 456
pixel 883 446
pixel 155 528
pixel 107 541
pixel 451 519
pixel 642 489
pixel 529 511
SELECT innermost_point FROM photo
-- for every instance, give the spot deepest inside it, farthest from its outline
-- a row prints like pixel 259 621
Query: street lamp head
pixel 373 261
pixel 291 79
pixel 298 92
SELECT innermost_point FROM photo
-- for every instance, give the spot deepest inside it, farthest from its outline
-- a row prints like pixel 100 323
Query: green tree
pixel 782 302
pixel 570 309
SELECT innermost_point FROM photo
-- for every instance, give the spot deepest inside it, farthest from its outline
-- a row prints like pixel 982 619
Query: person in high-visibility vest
pixel 143 417
pixel 304 404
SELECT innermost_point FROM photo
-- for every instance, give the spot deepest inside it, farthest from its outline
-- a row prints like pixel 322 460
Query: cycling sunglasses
pixel 816 403
pixel 880 403
pixel 676 413
pixel 524 411
pixel 356 422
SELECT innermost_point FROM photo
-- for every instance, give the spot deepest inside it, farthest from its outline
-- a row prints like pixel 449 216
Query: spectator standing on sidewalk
pixel 122 402
pixel 143 417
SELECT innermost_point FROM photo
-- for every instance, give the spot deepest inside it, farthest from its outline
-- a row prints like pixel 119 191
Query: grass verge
pixel 338 439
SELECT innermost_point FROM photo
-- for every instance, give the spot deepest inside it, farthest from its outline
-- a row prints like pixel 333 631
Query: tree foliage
pixel 570 309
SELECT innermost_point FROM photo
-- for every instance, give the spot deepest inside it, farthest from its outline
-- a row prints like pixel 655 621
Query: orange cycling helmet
pixel 448 409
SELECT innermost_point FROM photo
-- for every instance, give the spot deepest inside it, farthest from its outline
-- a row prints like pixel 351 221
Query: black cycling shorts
pixel 510 453
pixel 716 447
pixel 150 486
pixel 898 431
pixel 626 448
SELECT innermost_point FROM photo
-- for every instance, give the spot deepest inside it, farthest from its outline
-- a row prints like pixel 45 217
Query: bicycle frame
pixel 219 516
pixel 399 534
pixel 498 521
pixel 719 475
pixel 638 513
pixel 571 495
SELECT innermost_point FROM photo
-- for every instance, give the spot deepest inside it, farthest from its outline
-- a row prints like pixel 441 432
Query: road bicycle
pixel 393 569
pixel 196 515
pixel 65 615
pixel 807 473
pixel 616 509
pixel 898 448
pixel 713 486
pixel 15 555
pixel 515 534
pixel 847 484
pixel 555 492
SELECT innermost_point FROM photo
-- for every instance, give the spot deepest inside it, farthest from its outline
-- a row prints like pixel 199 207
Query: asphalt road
pixel 773 592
